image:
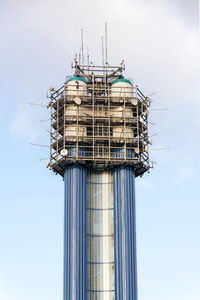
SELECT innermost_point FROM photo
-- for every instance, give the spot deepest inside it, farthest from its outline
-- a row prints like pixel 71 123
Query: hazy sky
pixel 38 42
pixel 189 9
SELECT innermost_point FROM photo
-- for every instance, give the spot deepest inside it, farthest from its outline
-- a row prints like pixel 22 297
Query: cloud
pixel 160 52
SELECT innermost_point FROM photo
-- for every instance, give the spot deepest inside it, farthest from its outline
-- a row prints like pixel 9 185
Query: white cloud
pixel 160 52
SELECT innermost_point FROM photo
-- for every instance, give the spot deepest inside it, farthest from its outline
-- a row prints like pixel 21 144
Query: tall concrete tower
pixel 99 145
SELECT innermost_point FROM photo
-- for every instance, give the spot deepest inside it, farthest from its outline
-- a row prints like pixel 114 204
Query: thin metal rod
pixel 91 66
pixel 32 144
pixel 43 158
pixel 153 135
pixel 102 43
pixel 106 43
pixel 151 123
pixel 159 149
pixel 88 56
pixel 150 95
pixel 152 109
pixel 82 46
pixel 44 120
pixel 79 57
pixel 46 105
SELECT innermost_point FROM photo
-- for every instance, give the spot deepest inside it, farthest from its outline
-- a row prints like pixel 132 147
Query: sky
pixel 189 9
pixel 161 50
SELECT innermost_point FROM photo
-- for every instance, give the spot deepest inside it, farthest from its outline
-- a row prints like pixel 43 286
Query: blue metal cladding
pixel 73 152
pixel 75 274
pixel 125 234
pixel 121 153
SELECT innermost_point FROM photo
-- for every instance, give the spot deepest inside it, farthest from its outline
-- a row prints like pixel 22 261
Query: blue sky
pixel 38 42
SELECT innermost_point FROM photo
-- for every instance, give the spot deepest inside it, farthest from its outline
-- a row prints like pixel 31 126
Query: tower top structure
pixel 99 119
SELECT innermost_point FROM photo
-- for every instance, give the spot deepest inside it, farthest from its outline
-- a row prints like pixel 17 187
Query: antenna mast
pixel 106 43
pixel 82 47
pixel 102 43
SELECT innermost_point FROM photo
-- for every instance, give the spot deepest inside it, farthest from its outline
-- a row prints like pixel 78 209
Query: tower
pixel 99 145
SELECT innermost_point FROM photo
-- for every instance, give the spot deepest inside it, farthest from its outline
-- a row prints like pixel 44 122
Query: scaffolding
pixel 98 124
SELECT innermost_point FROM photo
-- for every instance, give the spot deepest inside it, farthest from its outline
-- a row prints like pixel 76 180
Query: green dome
pixel 121 80
pixel 76 78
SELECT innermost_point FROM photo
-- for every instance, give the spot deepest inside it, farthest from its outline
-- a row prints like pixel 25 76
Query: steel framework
pixel 96 128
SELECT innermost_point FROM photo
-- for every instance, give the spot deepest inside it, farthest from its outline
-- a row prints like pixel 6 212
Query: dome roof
pixel 121 80
pixel 76 78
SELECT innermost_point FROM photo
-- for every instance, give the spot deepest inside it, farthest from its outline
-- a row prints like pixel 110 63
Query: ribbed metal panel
pixel 75 275
pixel 125 234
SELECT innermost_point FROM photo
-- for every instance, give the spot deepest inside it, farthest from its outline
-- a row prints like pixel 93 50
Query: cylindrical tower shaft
pixel 75 275
pixel 125 234
pixel 100 234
